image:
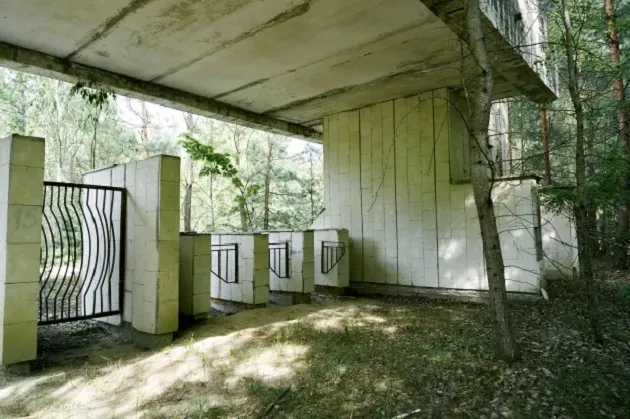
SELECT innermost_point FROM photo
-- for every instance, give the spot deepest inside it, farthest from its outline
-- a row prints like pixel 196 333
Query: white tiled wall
pixel 253 269
pixel 388 180
pixel 301 261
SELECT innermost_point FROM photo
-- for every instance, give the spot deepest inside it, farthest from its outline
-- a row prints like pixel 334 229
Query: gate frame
pixel 121 252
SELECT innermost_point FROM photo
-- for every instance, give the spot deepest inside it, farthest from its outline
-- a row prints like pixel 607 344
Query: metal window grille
pixel 332 253
pixel 279 259
pixel 82 267
pixel 225 262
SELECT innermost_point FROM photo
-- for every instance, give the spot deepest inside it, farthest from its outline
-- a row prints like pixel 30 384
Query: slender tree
pixel 189 175
pixel 581 201
pixel 480 103
pixel 544 128
pixel 618 87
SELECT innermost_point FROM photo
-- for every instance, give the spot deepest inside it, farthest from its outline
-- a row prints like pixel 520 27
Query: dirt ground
pixel 348 358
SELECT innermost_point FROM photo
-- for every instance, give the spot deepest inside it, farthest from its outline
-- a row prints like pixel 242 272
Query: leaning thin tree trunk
pixel 480 102
pixel 545 142
pixel 188 180
pixel 623 233
pixel 581 204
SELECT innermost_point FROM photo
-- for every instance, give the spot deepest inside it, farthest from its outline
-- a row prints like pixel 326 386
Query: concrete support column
pixel 339 276
pixel 151 300
pixel 195 263
pixel 251 272
pixel 21 194
pixel 156 243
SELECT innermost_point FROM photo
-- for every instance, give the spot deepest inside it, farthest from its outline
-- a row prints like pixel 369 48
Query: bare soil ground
pixel 346 358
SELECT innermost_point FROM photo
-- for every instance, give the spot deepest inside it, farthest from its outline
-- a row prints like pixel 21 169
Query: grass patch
pixel 362 358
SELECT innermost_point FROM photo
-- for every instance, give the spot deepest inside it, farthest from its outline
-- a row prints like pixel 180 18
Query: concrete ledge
pixel 232 307
pixel 283 298
pixel 469 296
pixel 330 291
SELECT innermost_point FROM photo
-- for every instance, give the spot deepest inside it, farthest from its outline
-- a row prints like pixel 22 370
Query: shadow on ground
pixel 352 358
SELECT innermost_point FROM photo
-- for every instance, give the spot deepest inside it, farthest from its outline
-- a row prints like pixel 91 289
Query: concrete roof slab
pixel 271 63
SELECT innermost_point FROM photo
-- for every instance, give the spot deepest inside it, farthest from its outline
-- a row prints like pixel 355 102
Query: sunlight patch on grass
pixel 278 363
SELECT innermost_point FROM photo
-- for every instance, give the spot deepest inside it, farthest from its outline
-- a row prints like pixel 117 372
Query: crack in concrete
pixel 108 25
pixel 293 12
pixel 436 67
pixel 374 42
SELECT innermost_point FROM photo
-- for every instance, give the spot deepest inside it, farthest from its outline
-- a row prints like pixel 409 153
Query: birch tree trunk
pixel 480 102
pixel 623 233
pixel 581 204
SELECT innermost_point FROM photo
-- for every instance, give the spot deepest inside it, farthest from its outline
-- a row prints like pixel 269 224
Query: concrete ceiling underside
pixel 289 61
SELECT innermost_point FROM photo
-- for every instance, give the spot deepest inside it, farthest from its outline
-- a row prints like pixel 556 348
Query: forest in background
pixel 282 177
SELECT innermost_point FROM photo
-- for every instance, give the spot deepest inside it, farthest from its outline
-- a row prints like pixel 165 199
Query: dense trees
pixel 586 130
pixel 280 180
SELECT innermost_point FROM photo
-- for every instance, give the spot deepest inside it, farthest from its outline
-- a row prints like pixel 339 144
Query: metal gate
pixel 82 252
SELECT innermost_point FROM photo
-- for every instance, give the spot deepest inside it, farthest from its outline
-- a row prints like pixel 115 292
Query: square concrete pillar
pixel 332 258
pixel 243 282
pixel 151 300
pixel 292 266
pixel 21 195
pixel 155 203
pixel 195 263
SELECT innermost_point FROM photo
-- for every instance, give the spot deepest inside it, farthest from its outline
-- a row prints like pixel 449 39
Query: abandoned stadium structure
pixel 378 83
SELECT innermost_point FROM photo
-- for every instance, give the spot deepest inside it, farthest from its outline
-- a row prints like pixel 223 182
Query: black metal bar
pixel 279 253
pixel 220 270
pixel 331 254
pixel 123 251
pixel 77 318
pixel 86 264
pixel 84 186
pixel 77 283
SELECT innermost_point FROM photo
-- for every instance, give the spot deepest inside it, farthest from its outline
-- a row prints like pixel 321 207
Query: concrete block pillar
pixel 243 283
pixel 21 195
pixel 295 284
pixel 195 262
pixel 151 300
pixel 155 199
pixel 328 251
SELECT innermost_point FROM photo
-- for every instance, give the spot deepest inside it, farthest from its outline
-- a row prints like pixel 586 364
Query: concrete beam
pixel 517 55
pixel 34 62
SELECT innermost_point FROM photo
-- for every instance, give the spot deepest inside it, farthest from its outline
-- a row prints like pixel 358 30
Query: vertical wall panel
pixel 376 201
pixel 390 180
pixel 388 191
pixel 333 156
pixel 366 193
pixel 356 222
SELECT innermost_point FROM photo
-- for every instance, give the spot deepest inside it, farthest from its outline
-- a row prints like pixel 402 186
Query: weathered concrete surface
pixel 278 64
pixel 516 34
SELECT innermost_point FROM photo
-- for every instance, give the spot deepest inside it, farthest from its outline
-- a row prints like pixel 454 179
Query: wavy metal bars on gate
pixel 279 259
pixel 332 253
pixel 225 262
pixel 82 271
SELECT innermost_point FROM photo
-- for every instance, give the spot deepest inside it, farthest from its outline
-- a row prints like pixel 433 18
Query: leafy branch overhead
pixel 214 163
pixel 93 93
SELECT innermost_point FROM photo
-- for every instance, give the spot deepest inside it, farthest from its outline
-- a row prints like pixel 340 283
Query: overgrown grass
pixel 375 359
